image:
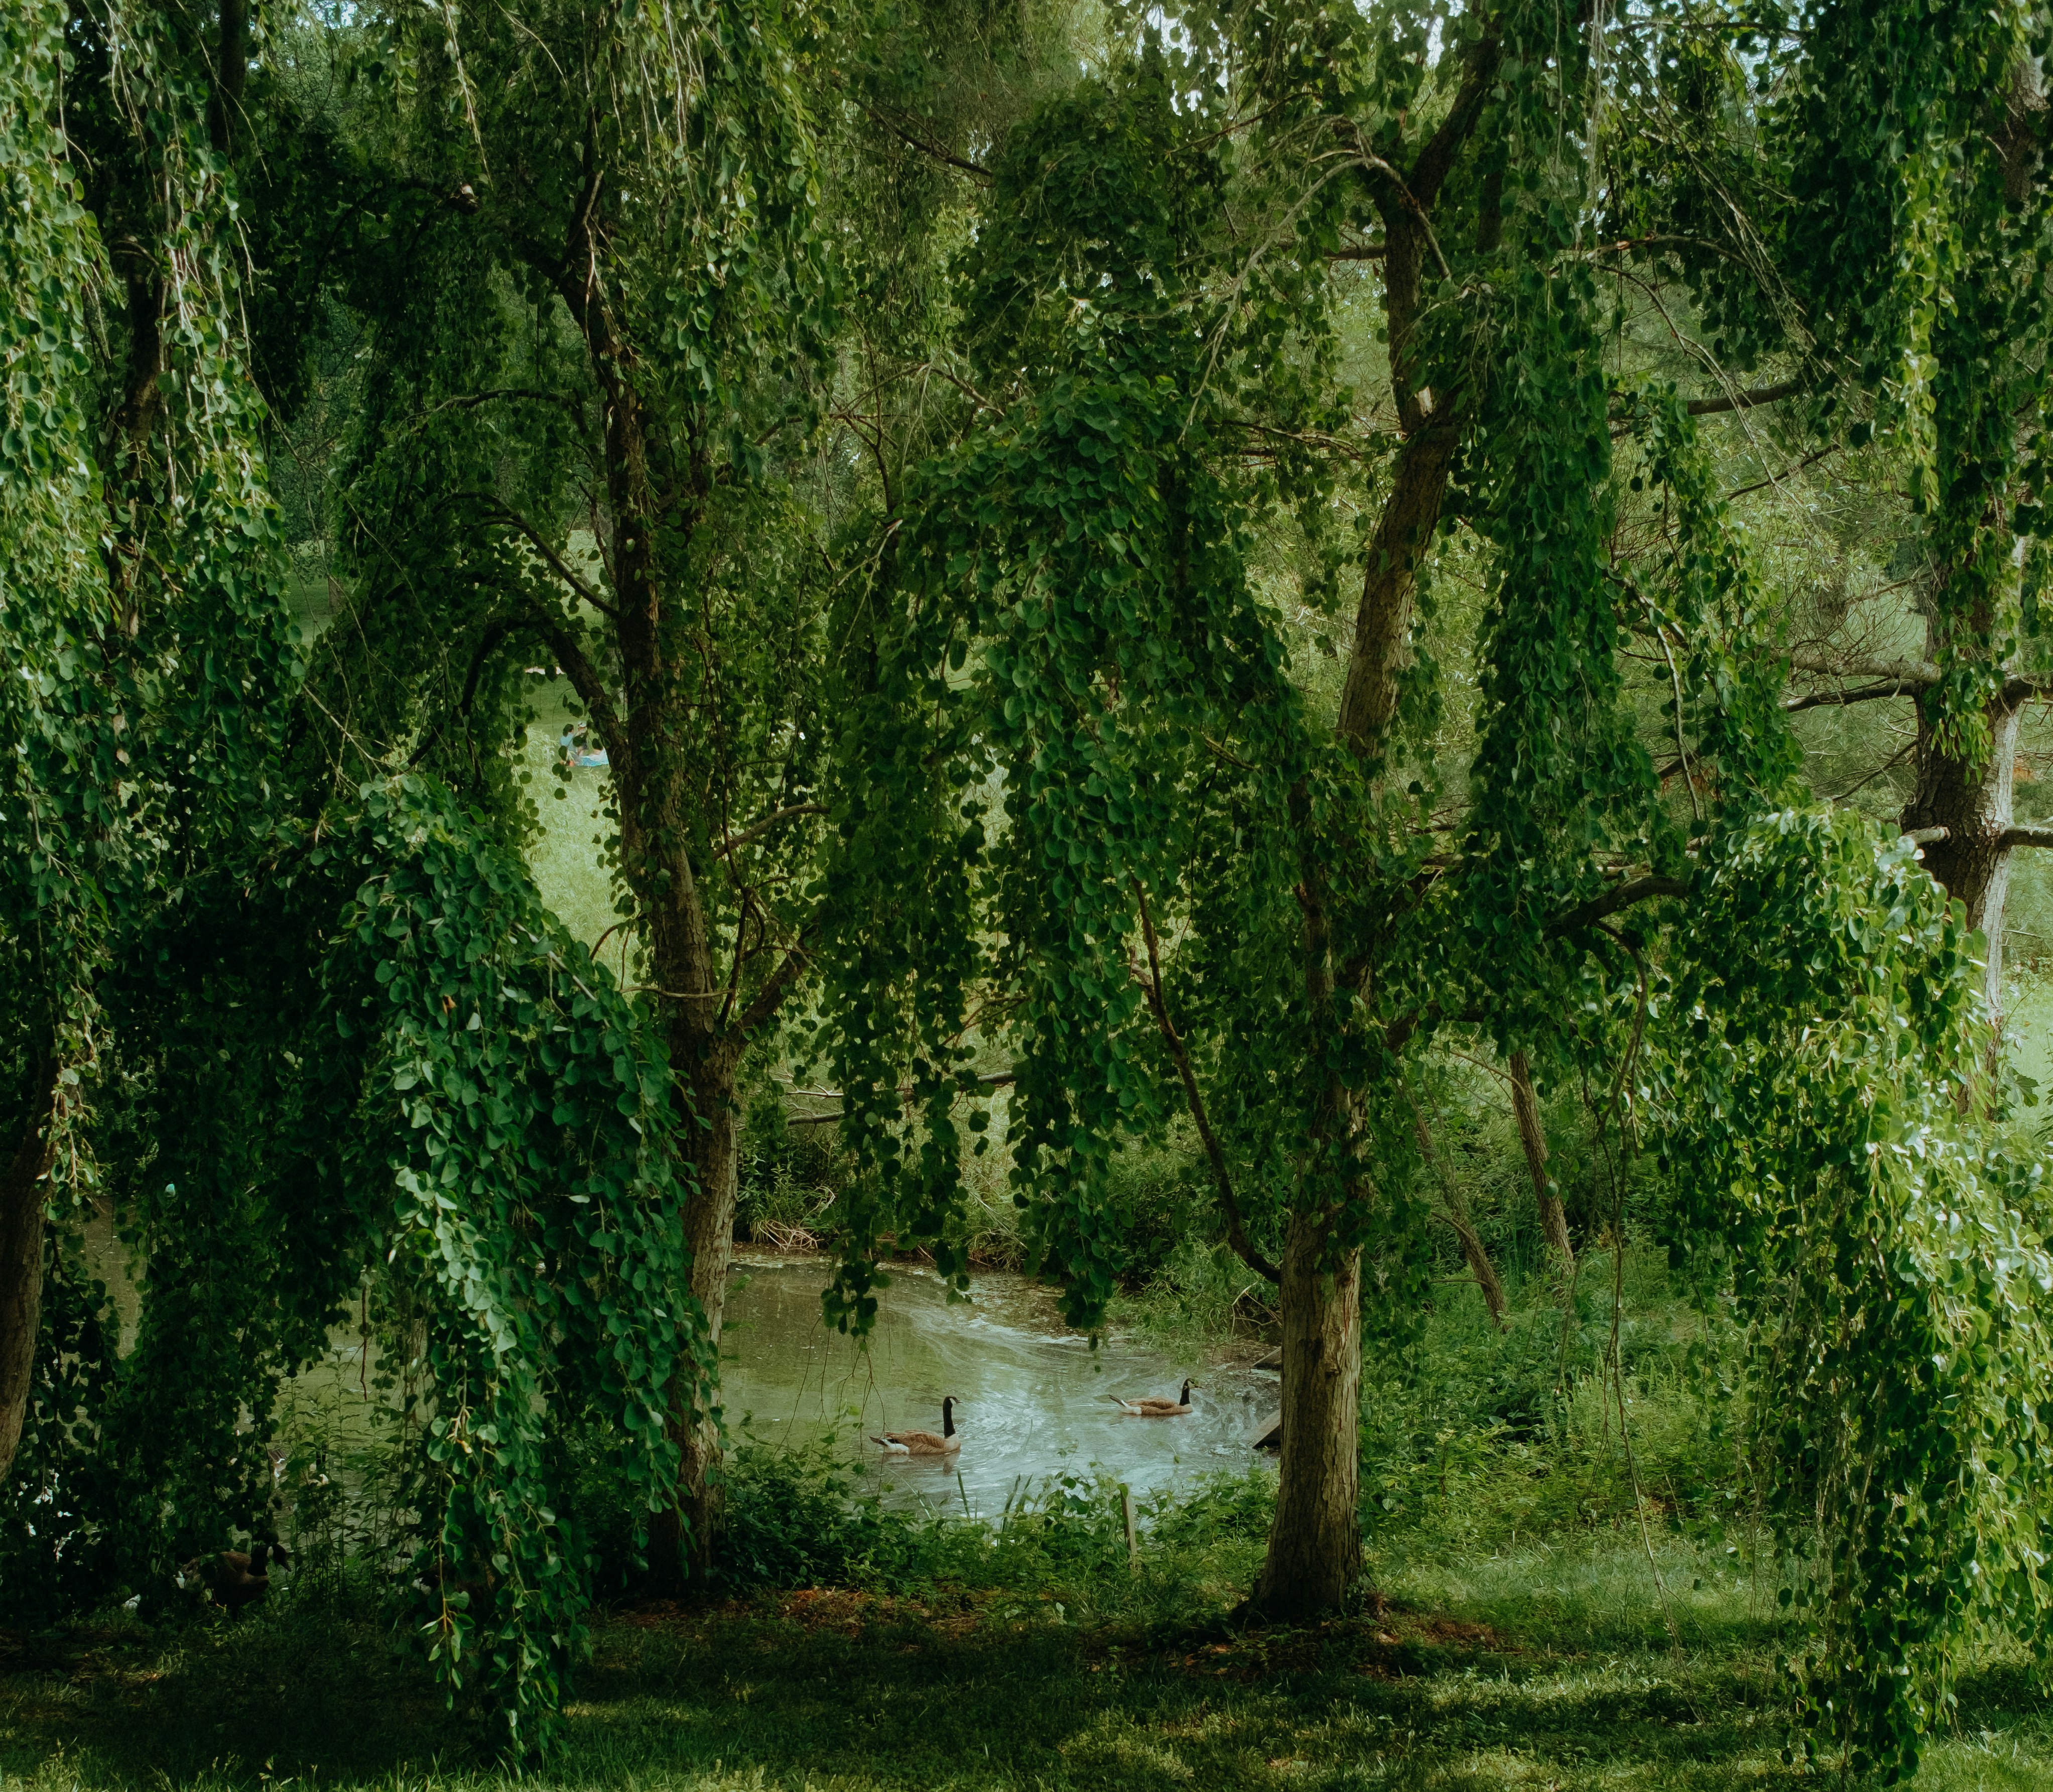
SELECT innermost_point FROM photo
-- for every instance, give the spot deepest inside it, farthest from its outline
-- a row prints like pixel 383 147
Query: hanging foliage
pixel 396 1080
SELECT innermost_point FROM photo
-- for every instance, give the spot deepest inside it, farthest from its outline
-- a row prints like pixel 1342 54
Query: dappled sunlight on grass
pixel 1543 1669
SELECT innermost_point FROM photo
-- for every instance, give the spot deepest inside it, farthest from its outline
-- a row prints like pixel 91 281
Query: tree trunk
pixel 1526 1104
pixel 1974 804
pixel 709 1234
pixel 24 1200
pixel 1314 1559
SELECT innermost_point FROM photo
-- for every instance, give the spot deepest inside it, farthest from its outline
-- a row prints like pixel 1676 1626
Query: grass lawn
pixel 1549 1669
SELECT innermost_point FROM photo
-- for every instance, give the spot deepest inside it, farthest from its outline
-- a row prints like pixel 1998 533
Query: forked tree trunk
pixel 1314 1558
pixel 24 1199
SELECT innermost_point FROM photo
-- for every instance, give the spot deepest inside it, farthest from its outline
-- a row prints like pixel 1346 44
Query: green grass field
pixel 1548 1669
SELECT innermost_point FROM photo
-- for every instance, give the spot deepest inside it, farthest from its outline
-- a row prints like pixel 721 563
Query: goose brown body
pixel 924 1442
pixel 1158 1406
pixel 236 1577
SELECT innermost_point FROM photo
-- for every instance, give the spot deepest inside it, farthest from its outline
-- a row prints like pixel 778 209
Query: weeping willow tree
pixel 1113 789
pixel 339 1051
pixel 144 657
pixel 593 306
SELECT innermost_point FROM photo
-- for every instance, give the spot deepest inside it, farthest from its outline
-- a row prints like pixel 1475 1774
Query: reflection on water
pixel 1032 1399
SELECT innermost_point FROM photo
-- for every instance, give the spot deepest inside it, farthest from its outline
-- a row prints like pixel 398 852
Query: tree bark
pixel 1525 1105
pixel 24 1200
pixel 1314 1558
pixel 709 1235
pixel 1974 803
pixel 657 488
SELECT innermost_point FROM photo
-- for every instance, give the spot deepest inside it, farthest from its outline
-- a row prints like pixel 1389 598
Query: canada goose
pixel 235 1578
pixel 924 1442
pixel 1156 1406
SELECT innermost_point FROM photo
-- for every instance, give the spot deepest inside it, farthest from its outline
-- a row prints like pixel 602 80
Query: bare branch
pixel 1838 699
pixel 1911 675
pixel 2026 835
pixel 1776 478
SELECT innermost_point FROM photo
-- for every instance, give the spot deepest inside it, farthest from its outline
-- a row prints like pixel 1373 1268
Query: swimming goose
pixel 924 1442
pixel 1157 1406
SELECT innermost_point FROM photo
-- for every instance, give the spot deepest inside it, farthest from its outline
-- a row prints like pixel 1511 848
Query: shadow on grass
pixel 854 1690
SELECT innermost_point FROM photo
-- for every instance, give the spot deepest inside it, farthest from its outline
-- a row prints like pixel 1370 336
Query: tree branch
pixel 1744 401
pixel 497 632
pixel 771 996
pixel 1457 1216
pixel 2024 834
pixel 1620 896
pixel 1236 1231
pixel 1835 699
pixel 584 680
pixel 1774 479
pixel 513 520
pixel 769 821
pixel 906 137
pixel 1913 674
pixel 1436 160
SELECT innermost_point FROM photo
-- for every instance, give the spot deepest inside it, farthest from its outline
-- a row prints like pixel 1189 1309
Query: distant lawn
pixel 1548 1670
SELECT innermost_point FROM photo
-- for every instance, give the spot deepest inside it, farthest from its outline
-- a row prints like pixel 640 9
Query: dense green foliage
pixel 930 444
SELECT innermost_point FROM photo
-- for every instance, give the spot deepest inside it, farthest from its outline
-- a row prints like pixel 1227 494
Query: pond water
pixel 1032 1398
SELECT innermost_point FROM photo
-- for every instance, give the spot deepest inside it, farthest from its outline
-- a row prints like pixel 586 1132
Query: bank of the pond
pixel 1545 1668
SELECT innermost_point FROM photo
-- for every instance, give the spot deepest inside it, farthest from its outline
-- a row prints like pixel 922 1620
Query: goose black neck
pixel 949 1417
pixel 1183 1399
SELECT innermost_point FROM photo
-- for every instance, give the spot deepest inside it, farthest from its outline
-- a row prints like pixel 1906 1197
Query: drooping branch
pixel 780 983
pixel 1236 1229
pixel 499 513
pixel 584 680
pixel 497 632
